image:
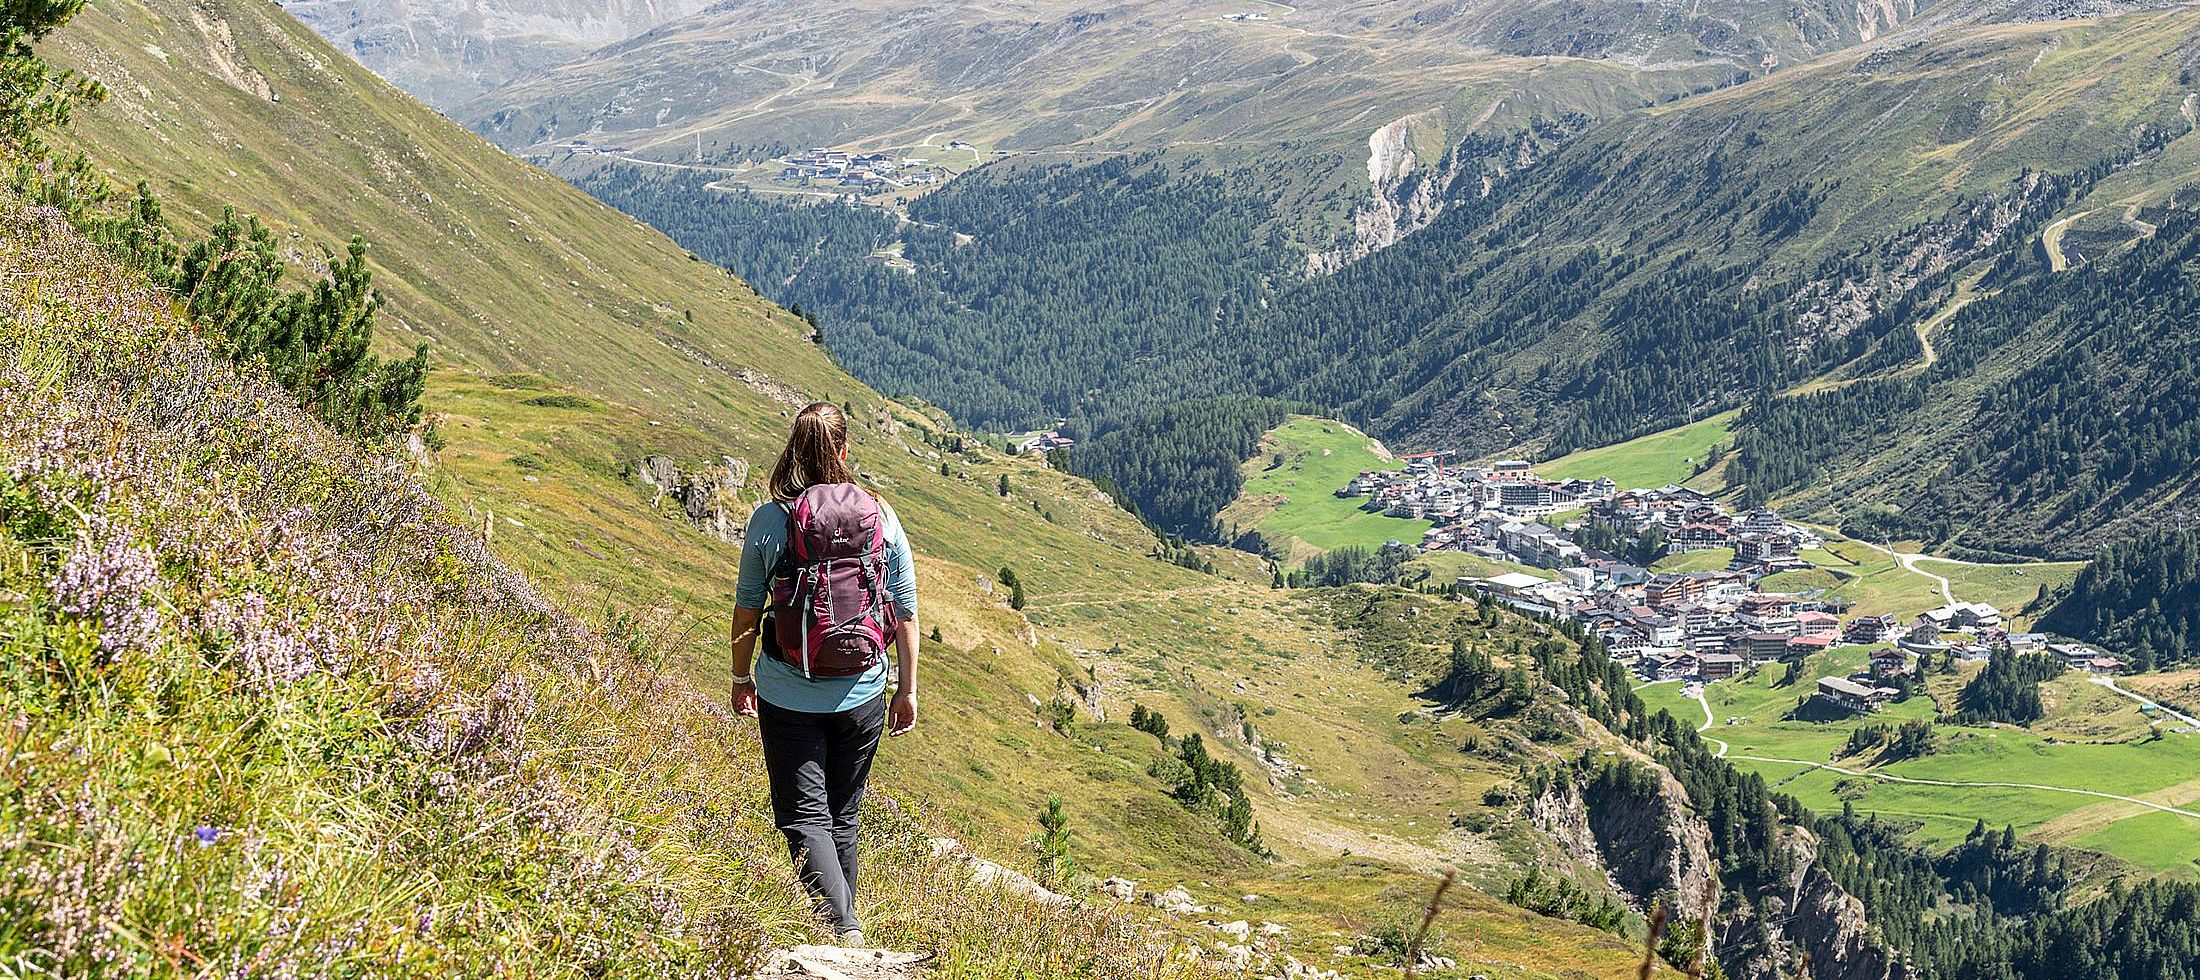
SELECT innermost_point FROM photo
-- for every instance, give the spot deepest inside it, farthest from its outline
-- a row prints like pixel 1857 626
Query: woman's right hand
pixel 744 699
pixel 901 715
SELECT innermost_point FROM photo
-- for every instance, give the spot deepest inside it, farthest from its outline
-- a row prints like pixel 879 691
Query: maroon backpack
pixel 830 613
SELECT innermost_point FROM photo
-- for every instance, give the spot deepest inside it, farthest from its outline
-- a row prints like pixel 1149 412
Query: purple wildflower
pixel 108 578
pixel 207 835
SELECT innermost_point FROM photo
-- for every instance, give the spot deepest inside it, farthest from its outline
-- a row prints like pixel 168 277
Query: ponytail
pixel 815 452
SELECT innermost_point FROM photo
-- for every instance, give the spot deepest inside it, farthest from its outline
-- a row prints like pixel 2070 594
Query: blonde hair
pixel 816 452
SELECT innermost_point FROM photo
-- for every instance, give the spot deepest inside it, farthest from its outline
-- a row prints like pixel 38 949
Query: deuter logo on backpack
pixel 830 613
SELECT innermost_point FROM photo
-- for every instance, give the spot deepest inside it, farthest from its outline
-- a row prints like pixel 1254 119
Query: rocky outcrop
pixel 1809 917
pixel 1634 820
pixel 1639 829
pixel 1833 307
pixel 836 963
pixel 1407 194
pixel 993 875
pixel 1561 813
pixel 710 497
pixel 1402 197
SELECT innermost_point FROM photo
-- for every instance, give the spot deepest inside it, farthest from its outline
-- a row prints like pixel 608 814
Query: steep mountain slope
pixel 446 53
pixel 573 344
pixel 1685 257
pixel 1138 74
pixel 275 713
pixel 1584 282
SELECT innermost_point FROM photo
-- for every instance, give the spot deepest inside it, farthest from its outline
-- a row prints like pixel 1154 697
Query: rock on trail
pixel 835 963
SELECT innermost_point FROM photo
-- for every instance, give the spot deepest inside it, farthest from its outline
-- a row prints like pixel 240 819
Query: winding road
pixel 1707 722
pixel 2110 683
pixel 2051 240
pixel 1909 564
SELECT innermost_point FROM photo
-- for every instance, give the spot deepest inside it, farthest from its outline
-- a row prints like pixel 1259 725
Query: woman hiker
pixel 828 582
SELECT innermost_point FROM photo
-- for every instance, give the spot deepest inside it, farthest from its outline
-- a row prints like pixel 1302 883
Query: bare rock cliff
pixel 1817 920
pixel 1650 842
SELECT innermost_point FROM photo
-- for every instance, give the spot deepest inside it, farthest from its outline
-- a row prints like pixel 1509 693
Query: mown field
pixel 2089 741
pixel 1290 490
pixel 2010 588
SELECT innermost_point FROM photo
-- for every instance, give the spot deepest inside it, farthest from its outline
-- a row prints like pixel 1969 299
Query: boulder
pixel 988 873
pixel 710 497
pixel 1176 901
pixel 659 471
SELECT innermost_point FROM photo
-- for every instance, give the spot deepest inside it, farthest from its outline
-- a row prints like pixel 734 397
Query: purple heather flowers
pixel 108 578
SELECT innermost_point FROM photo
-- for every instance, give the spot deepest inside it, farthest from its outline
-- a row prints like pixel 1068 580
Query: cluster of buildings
pixel 1890 666
pixel 1494 511
pixel 869 171
pixel 1043 443
pixel 2074 655
pixel 1698 626
pixel 1425 490
pixel 1695 625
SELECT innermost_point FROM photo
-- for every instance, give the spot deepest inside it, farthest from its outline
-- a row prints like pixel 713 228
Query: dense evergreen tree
pixel 1011 296
pixel 1562 898
pixel 1149 721
pixel 2140 598
pixel 1890 743
pixel 35 95
pixel 1181 463
pixel 2008 689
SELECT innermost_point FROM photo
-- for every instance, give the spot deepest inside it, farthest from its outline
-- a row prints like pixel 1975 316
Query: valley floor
pixel 2107 771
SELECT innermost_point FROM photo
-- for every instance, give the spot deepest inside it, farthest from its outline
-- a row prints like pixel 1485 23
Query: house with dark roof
pixel 1849 695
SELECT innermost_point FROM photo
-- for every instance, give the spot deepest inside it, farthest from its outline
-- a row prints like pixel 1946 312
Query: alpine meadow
pixel 874 490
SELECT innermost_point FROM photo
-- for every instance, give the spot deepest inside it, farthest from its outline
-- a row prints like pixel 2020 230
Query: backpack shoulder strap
pixel 785 564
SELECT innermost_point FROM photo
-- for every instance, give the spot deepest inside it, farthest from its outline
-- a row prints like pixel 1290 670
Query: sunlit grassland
pixel 1192 646
pixel 2009 588
pixel 1447 567
pixel 1873 582
pixel 334 734
pixel 2005 755
pixel 1709 560
pixel 1750 714
pixel 1653 460
pixel 1290 491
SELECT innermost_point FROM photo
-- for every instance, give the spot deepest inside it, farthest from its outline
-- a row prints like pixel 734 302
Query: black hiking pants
pixel 819 764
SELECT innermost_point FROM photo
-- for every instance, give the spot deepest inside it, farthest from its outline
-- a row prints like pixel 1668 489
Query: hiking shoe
pixel 852 939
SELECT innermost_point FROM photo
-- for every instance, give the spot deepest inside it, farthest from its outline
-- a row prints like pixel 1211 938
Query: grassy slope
pixel 1290 498
pixel 345 739
pixel 2010 588
pixel 1650 461
pixel 1290 490
pixel 504 269
pixel 1711 560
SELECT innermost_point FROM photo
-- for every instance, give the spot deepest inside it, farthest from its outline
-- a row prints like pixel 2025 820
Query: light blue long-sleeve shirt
pixel 783 685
